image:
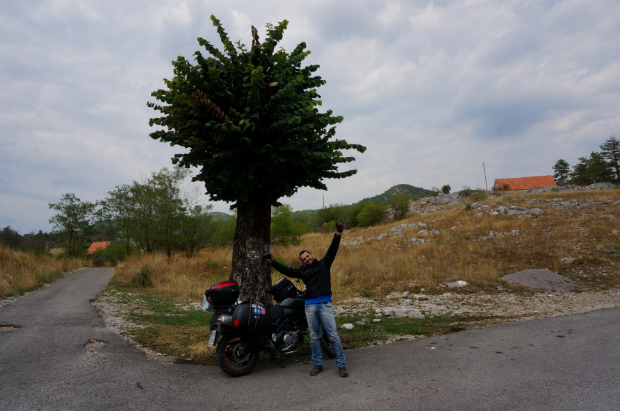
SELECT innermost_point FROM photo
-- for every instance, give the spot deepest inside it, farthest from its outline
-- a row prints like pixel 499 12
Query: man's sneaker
pixel 343 372
pixel 316 370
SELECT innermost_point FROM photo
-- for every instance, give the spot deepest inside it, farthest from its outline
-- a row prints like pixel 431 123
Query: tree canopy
pixel 250 119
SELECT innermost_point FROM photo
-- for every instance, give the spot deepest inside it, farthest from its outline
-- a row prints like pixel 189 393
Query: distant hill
pixel 217 215
pixel 411 191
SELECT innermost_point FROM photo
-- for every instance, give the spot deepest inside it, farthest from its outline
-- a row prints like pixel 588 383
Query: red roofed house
pixel 101 245
pixel 524 183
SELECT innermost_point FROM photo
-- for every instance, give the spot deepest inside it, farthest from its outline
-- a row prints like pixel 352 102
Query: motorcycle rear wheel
pixel 326 345
pixel 228 358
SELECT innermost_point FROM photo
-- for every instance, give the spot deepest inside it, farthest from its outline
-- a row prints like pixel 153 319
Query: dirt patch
pixel 8 327
pixel 541 279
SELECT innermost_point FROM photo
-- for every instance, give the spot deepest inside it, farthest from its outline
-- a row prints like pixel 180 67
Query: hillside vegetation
pixel 572 233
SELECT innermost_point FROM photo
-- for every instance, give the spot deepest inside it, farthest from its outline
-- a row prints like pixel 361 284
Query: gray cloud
pixel 434 89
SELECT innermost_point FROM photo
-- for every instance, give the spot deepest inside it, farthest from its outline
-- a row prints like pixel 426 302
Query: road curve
pixel 562 363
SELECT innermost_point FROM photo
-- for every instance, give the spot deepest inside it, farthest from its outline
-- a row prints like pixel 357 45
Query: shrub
pixel 399 205
pixel 467 207
pixel 142 278
pixel 478 195
pixel 465 191
pixel 446 189
pixel 372 213
pixel 111 255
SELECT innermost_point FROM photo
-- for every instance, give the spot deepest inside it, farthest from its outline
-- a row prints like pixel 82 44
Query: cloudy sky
pixel 434 89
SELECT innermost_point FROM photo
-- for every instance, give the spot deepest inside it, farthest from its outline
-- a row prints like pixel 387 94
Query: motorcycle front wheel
pixel 326 345
pixel 229 358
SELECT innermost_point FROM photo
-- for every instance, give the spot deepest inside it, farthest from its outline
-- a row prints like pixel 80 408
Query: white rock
pixel 378 310
pixel 422 233
pixel 615 232
pixel 415 314
pixel 400 313
pixel 376 320
pixel 378 315
pixel 347 326
pixel 406 294
pixel 457 284
pixel 399 227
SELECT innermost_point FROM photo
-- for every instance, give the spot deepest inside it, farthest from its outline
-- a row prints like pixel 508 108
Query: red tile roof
pixel 97 246
pixel 525 183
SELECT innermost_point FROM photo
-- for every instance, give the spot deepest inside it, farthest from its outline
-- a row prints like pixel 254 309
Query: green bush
pixel 142 278
pixel 112 254
pixel 467 207
pixel 399 205
pixel 478 195
pixel 372 213
pixel 284 230
pixel 446 189
pixel 465 191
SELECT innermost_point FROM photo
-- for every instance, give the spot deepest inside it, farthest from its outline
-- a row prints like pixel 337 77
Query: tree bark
pixel 249 269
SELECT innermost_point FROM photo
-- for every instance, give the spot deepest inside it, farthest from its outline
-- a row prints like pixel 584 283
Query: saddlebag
pixel 251 319
pixel 282 290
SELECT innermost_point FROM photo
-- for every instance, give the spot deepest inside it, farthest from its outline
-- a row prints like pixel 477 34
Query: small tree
pixel 610 150
pixel 119 207
pixel 446 189
pixel 250 121
pixel 10 238
pixel 561 172
pixel 74 221
pixel 399 205
pixel 195 229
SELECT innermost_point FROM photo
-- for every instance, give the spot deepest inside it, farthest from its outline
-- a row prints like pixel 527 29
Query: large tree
pixel 74 221
pixel 610 150
pixel 591 169
pixel 250 121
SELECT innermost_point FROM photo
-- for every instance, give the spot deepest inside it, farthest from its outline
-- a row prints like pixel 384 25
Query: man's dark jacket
pixel 316 276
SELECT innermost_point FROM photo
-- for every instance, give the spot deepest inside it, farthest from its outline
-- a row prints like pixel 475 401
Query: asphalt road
pixel 562 363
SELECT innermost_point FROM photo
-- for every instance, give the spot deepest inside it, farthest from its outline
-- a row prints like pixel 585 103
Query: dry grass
pixel 376 268
pixel 179 276
pixel 20 272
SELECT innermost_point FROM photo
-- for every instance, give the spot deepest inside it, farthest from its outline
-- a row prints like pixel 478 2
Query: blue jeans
pixel 323 314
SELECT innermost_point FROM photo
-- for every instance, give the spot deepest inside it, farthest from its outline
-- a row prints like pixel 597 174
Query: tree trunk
pixel 249 269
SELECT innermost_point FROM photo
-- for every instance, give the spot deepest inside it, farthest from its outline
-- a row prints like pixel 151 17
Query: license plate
pixel 212 339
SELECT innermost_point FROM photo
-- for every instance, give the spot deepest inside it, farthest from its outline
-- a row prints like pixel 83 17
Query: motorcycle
pixel 241 329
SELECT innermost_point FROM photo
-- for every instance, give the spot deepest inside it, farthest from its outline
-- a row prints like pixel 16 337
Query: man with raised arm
pixel 316 276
